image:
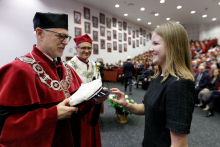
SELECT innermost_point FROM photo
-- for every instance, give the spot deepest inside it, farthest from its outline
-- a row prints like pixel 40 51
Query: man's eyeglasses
pixel 62 36
pixel 84 48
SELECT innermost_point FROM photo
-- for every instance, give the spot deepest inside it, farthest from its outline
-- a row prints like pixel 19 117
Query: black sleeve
pixel 180 105
pixel 205 82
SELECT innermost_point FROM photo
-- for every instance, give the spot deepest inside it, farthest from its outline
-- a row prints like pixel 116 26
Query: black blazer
pixel 204 81
pixel 211 86
pixel 128 69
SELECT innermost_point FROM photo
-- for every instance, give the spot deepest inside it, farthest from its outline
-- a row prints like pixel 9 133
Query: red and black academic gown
pixel 28 112
pixel 90 136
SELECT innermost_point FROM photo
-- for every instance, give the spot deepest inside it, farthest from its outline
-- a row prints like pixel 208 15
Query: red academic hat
pixel 84 38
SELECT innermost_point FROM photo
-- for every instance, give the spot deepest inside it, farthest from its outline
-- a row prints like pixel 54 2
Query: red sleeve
pixel 32 129
pixel 90 112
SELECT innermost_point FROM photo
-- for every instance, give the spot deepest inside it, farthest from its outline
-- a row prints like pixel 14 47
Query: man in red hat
pixel 34 91
pixel 90 136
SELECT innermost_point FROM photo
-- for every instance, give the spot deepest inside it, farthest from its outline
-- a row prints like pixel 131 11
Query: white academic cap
pixel 88 91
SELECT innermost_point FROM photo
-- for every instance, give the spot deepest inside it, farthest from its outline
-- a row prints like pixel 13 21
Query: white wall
pixel 204 31
pixel 16 27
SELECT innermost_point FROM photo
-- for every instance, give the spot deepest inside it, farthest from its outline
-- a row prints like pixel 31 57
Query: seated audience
pixel 213 67
pixel 194 64
pixel 198 50
pixel 211 49
pixel 201 81
pixel 150 63
pixel 203 47
pixel 208 57
pixel 141 65
pixel 146 81
pixel 206 92
pixel 212 101
pixel 212 57
pixel 203 59
pixel 106 67
pixel 218 57
pixel 119 62
pixel 143 75
pixel 204 64
pixel 137 64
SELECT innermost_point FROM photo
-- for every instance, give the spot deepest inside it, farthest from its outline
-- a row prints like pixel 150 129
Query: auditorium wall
pixel 204 31
pixel 17 39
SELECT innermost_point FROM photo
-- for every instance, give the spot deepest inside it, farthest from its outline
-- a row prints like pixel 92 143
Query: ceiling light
pixel 138 19
pixel 179 7
pixel 177 22
pixel 219 3
pixel 125 14
pixel 117 6
pixel 142 9
pixel 204 16
pixel 192 12
pixel 214 19
pixel 156 14
pixel 162 1
pixel 149 23
pixel 158 26
pixel 168 19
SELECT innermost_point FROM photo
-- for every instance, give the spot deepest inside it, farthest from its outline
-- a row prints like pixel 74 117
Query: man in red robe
pixel 34 91
pixel 86 70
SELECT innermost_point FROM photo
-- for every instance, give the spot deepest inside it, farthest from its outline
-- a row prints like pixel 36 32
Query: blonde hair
pixel 178 61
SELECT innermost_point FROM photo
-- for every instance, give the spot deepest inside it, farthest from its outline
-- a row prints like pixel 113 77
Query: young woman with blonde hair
pixel 169 101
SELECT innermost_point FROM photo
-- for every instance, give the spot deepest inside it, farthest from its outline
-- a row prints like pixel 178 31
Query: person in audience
pixel 211 49
pixel 206 92
pixel 197 59
pixel 212 101
pixel 169 101
pixel 151 72
pixel 203 59
pixel 212 57
pixel 194 64
pixel 128 70
pixel 201 81
pixel 146 63
pixel 218 57
pixel 217 48
pixel 150 63
pixel 198 50
pixel 204 64
pixel 203 47
pixel 143 75
pixel 213 67
pixel 120 63
pixel 102 67
pixel 141 65
pixel 192 46
pixel 106 67
pixel 147 80
pixel 137 64
pixel 208 57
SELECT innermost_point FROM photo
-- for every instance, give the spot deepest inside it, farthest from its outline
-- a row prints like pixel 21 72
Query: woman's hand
pixel 120 97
